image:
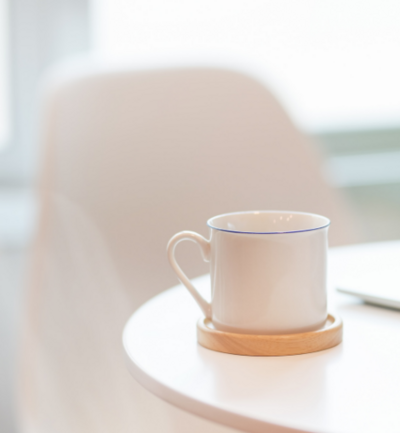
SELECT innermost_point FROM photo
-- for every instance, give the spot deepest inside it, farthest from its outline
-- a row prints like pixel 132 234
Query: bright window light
pixel 4 82
pixel 333 63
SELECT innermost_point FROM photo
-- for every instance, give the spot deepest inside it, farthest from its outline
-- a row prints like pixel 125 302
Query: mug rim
pixel 210 224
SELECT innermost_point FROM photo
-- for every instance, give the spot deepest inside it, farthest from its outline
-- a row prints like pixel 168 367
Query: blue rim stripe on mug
pixel 209 223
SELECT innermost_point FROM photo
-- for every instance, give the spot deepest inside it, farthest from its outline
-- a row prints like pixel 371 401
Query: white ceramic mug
pixel 268 271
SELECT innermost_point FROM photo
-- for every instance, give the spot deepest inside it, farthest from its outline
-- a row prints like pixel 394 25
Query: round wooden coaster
pixel 329 335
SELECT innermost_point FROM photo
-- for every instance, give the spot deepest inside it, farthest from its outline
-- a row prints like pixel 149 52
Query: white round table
pixel 354 387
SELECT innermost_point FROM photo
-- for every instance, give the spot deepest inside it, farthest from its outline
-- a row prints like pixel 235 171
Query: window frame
pixel 40 33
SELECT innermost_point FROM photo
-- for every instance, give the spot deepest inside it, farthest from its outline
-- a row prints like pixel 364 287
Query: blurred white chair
pixel 131 158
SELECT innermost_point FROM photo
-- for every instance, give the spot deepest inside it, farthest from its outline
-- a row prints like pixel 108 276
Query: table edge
pixel 198 407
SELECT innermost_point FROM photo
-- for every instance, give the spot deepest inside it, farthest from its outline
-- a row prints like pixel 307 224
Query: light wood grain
pixel 270 345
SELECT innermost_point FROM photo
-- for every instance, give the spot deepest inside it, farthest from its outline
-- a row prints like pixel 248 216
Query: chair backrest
pixel 131 158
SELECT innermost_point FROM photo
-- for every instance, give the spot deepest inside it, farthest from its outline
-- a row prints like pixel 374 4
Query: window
pixel 334 63
pixel 4 77
pixel 34 34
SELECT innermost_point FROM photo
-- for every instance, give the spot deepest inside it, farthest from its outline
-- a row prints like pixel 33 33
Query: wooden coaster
pixel 329 335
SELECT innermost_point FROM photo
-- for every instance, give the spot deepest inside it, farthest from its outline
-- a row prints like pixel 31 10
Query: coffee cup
pixel 267 268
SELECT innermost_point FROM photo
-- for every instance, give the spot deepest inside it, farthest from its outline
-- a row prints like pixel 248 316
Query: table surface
pixel 354 387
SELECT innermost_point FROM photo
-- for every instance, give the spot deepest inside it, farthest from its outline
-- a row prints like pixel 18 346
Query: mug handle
pixel 205 250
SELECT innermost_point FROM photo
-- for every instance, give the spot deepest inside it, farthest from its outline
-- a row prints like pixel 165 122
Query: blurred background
pixel 333 64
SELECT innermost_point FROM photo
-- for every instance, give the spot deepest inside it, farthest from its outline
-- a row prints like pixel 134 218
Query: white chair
pixel 131 158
